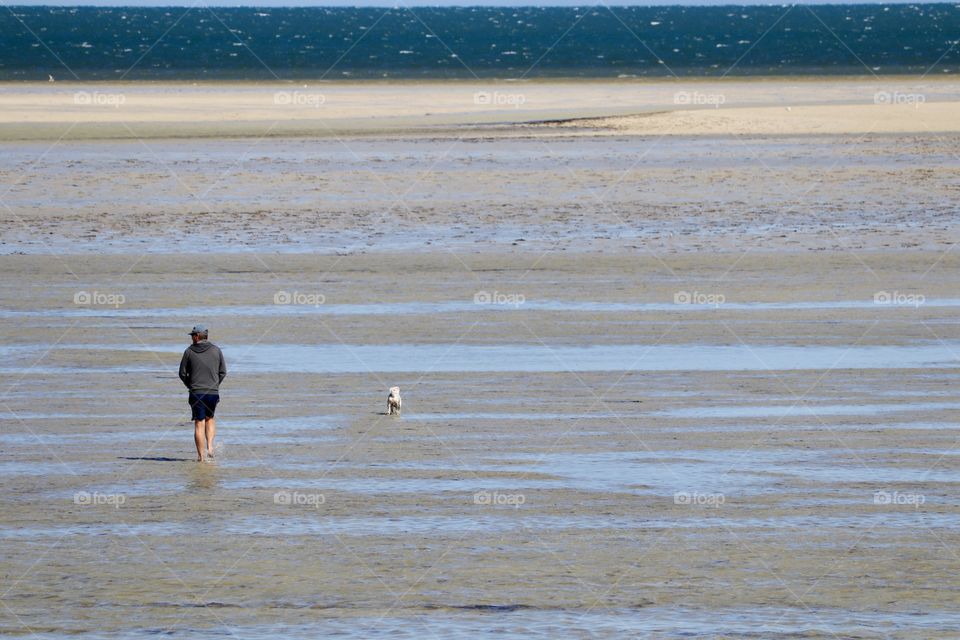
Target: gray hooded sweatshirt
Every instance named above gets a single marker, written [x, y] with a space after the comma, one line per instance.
[202, 368]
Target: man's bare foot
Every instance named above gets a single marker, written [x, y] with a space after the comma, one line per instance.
[200, 459]
[210, 454]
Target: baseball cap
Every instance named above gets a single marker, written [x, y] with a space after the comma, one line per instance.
[198, 328]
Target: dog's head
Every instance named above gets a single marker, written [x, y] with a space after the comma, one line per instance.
[394, 392]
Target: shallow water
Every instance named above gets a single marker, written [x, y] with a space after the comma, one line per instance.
[284, 424]
[803, 409]
[537, 358]
[509, 620]
[383, 486]
[176, 314]
[727, 471]
[431, 358]
[502, 522]
[506, 415]
[787, 426]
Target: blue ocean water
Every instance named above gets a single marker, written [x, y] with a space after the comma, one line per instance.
[204, 43]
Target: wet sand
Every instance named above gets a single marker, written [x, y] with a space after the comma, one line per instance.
[699, 383]
[472, 195]
[540, 503]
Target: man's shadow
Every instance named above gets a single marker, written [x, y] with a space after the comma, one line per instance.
[156, 459]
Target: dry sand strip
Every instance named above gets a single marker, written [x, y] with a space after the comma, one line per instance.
[926, 118]
[697, 107]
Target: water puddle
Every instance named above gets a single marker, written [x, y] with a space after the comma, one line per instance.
[510, 519]
[645, 471]
[423, 358]
[796, 428]
[730, 472]
[441, 417]
[14, 468]
[784, 411]
[246, 424]
[372, 485]
[426, 358]
[448, 306]
[463, 620]
[497, 521]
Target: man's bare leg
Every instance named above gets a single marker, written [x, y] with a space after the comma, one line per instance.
[198, 438]
[211, 431]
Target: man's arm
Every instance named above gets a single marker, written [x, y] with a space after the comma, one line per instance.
[185, 369]
[223, 367]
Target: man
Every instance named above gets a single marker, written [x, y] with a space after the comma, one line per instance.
[202, 369]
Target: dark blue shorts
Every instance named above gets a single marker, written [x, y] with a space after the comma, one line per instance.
[203, 405]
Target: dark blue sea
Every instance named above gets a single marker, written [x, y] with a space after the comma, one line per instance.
[210, 43]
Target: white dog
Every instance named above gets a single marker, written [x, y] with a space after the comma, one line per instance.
[393, 401]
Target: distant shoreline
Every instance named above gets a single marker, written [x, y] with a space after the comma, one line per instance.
[643, 80]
